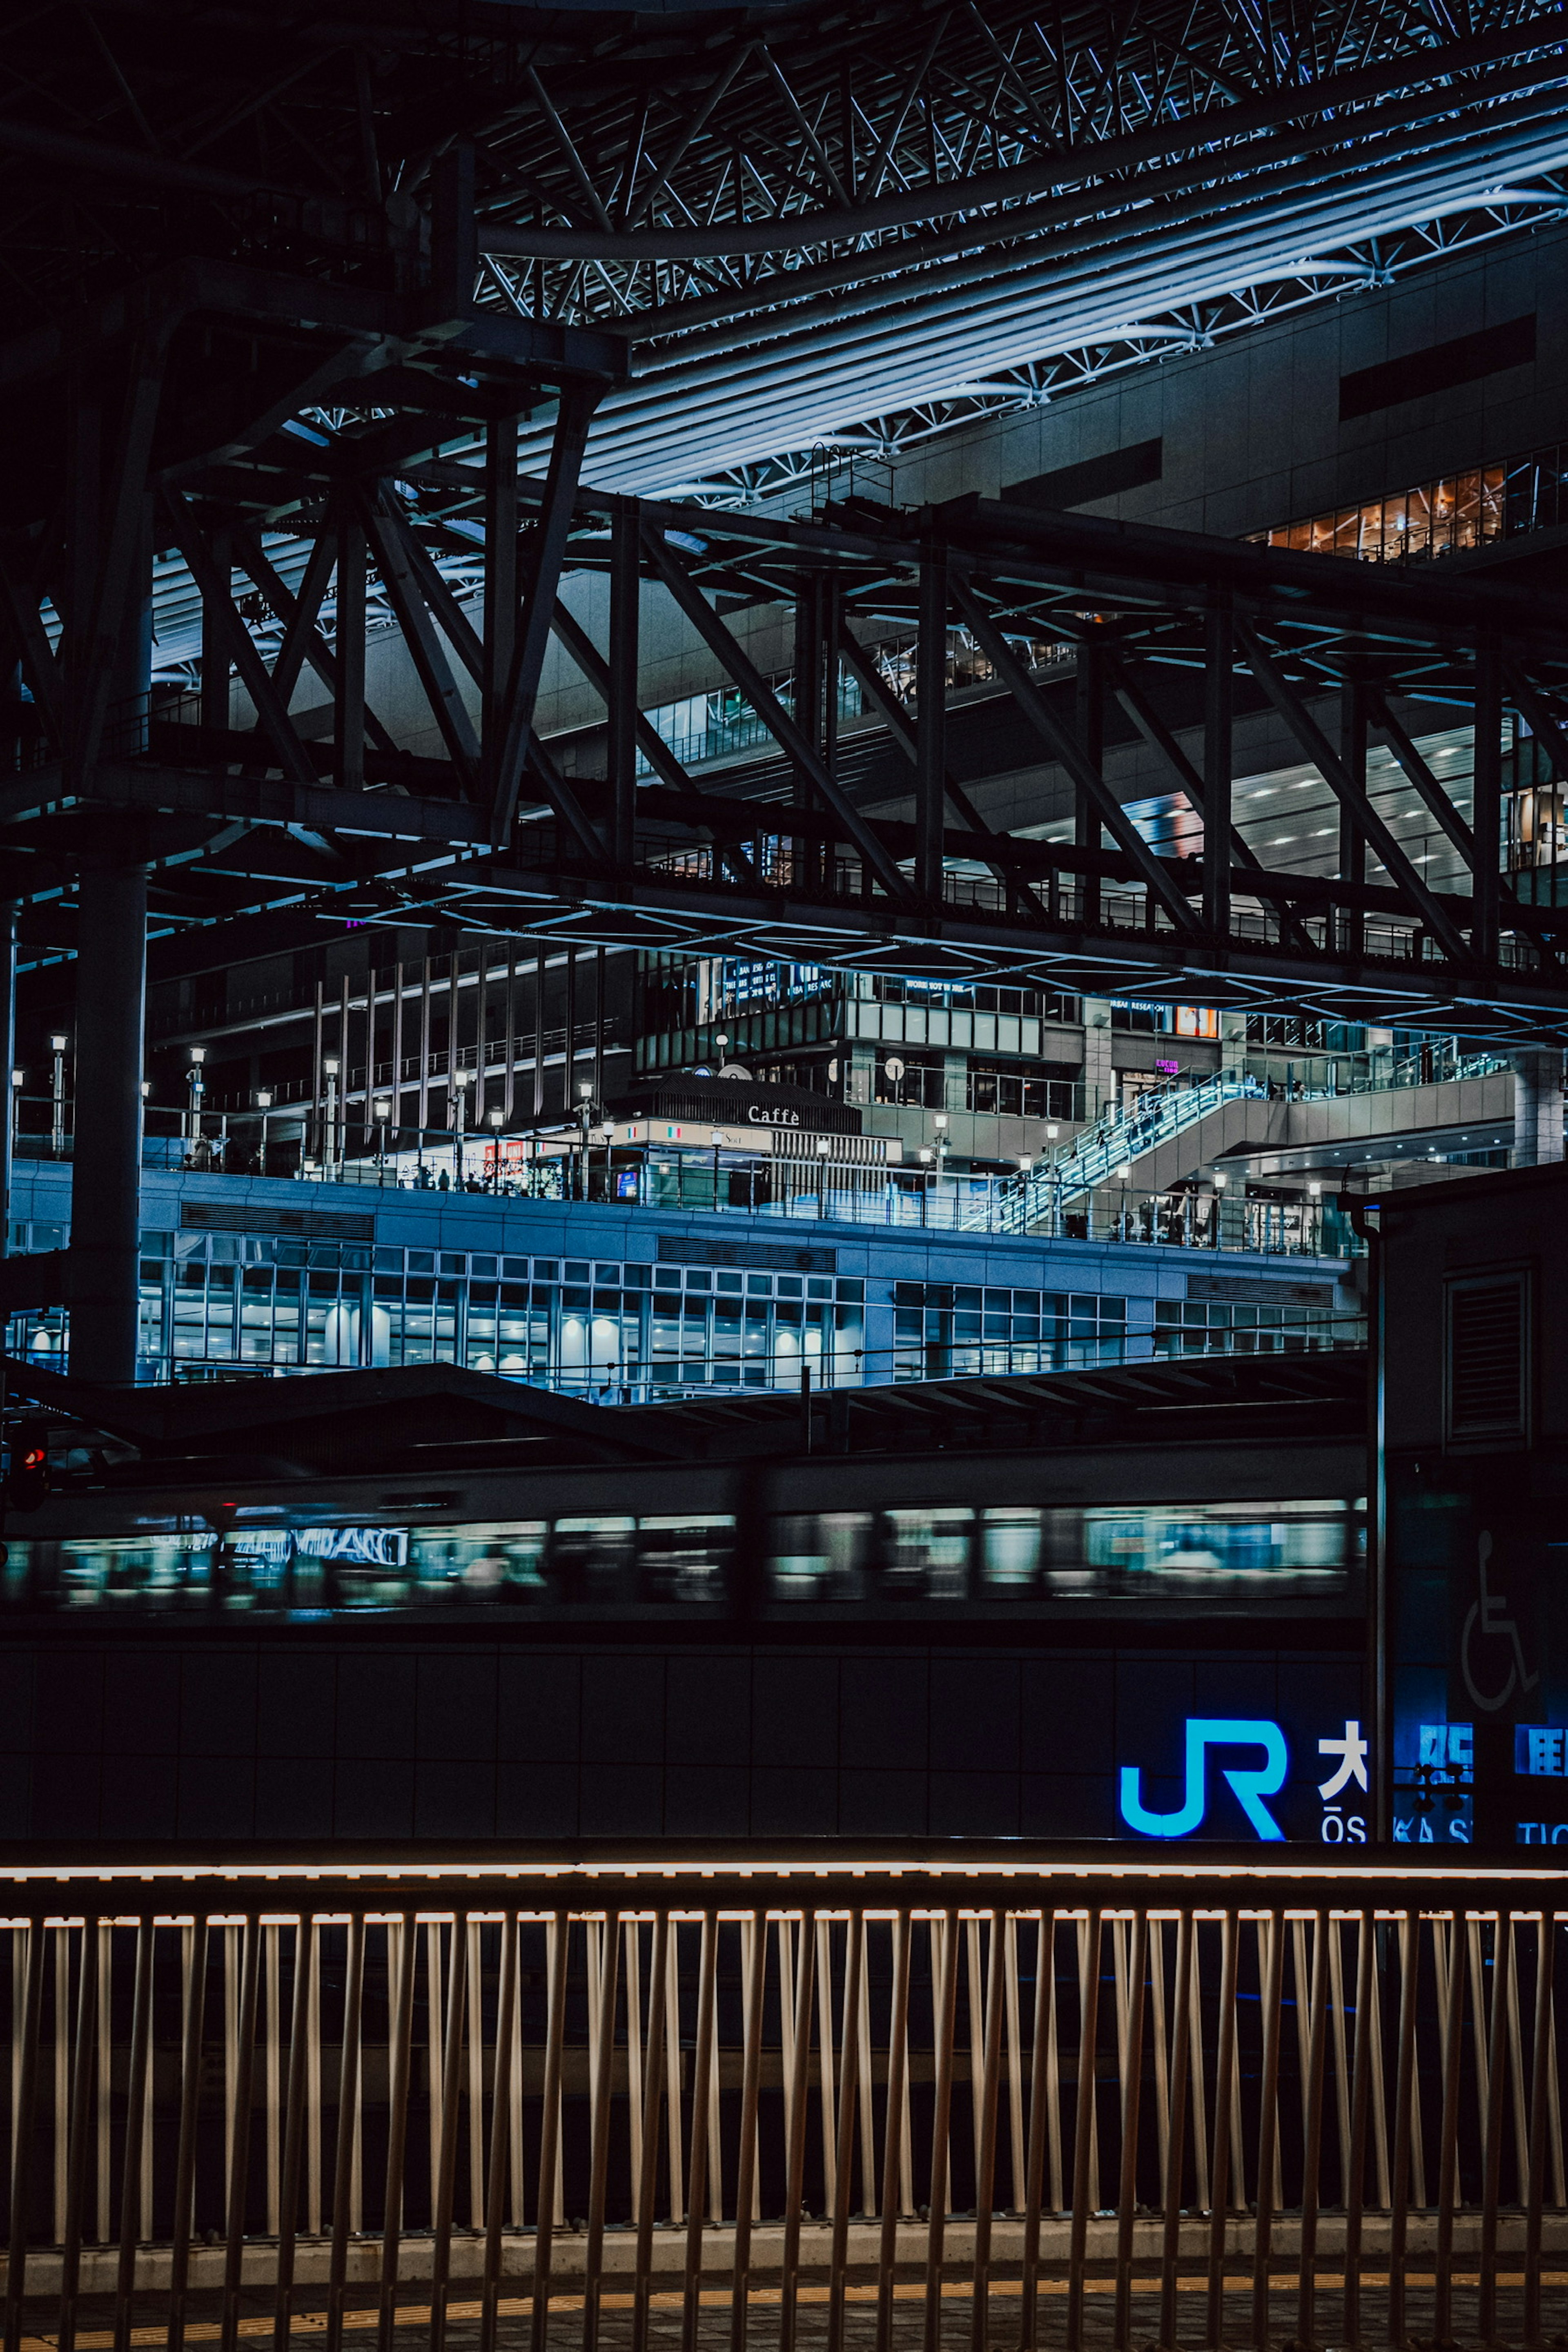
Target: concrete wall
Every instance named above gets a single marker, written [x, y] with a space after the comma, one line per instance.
[1251, 428]
[325, 1738]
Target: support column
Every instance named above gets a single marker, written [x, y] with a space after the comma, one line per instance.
[1219, 696]
[1098, 1073]
[1536, 1107]
[1352, 838]
[1089, 700]
[8, 915]
[931, 724]
[348, 714]
[1487, 814]
[625, 589]
[111, 977]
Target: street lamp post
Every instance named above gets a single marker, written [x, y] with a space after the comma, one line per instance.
[58, 1100]
[264, 1104]
[382, 1113]
[460, 1082]
[584, 1122]
[496, 1117]
[196, 1087]
[330, 1068]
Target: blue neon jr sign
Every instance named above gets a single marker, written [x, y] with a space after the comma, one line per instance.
[1251, 1783]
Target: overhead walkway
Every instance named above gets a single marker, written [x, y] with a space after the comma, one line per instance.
[1167, 1139]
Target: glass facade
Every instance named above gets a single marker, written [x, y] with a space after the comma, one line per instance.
[216, 1303]
[1457, 511]
[955, 1552]
[1196, 1327]
[947, 1330]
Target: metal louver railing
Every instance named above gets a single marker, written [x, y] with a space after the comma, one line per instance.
[1205, 2102]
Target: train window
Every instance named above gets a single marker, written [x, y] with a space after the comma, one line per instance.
[1010, 1550]
[926, 1556]
[685, 1559]
[504, 1561]
[1219, 1542]
[593, 1562]
[821, 1556]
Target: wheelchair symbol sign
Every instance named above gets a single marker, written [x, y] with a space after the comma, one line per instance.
[1490, 1629]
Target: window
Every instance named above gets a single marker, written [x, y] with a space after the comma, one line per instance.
[1523, 494]
[917, 1083]
[1046, 1090]
[1487, 1388]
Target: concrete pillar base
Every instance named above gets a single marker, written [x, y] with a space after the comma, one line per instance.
[1536, 1107]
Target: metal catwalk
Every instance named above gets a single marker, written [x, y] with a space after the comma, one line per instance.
[1202, 2101]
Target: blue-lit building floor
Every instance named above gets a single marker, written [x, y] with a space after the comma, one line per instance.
[242, 1276]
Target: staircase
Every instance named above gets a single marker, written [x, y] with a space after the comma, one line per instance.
[1116, 1140]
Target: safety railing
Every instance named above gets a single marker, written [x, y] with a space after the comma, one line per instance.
[1117, 1139]
[1222, 2100]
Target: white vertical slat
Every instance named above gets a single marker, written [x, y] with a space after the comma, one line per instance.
[436, 2009]
[1197, 2099]
[1012, 2023]
[313, 2084]
[1158, 2028]
[976, 1984]
[62, 1937]
[230, 2049]
[518, 2184]
[1045, 1990]
[868, 2178]
[273, 2073]
[826, 2044]
[675, 2140]
[632, 1963]
[145, 2215]
[475, 2077]
[105, 2077]
[1341, 2044]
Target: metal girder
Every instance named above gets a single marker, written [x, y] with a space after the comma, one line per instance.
[905, 733]
[272, 707]
[1332, 767]
[1083, 770]
[515, 727]
[721, 641]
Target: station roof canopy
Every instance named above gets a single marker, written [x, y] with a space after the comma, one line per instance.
[437, 1417]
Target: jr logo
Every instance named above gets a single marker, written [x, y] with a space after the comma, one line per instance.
[1251, 1785]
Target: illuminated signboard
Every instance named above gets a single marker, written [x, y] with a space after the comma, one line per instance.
[1250, 1758]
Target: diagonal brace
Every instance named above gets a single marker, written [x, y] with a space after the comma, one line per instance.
[721, 641]
[1070, 751]
[40, 663]
[302, 640]
[1434, 799]
[901, 727]
[580, 648]
[254, 675]
[1327, 760]
[514, 721]
[435, 671]
[1160, 740]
